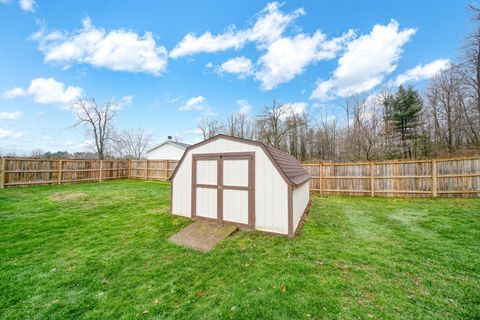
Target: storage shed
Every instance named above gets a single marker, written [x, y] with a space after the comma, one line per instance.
[245, 182]
[167, 150]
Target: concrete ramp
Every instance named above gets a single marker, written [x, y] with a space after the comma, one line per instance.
[203, 235]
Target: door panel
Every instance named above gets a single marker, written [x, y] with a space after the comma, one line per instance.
[223, 187]
[206, 203]
[235, 206]
[235, 190]
[207, 172]
[235, 172]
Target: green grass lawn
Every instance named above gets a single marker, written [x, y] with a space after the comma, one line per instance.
[100, 251]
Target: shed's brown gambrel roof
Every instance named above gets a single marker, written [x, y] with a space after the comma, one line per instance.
[288, 166]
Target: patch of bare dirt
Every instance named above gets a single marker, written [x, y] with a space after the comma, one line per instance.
[66, 196]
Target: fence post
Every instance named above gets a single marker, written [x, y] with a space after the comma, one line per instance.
[395, 173]
[166, 171]
[372, 180]
[2, 173]
[101, 171]
[321, 175]
[434, 178]
[146, 169]
[59, 174]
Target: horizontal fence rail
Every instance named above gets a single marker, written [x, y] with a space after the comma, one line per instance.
[410, 178]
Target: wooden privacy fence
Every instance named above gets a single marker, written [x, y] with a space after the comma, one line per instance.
[419, 178]
[152, 169]
[30, 171]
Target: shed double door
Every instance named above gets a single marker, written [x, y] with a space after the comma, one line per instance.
[223, 187]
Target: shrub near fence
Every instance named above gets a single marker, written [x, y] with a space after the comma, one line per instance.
[419, 178]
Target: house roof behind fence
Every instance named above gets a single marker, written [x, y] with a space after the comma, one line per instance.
[176, 143]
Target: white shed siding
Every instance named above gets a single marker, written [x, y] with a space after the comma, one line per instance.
[182, 190]
[235, 206]
[271, 191]
[166, 151]
[207, 203]
[207, 172]
[235, 172]
[300, 200]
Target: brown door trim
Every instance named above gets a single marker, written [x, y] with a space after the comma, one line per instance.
[208, 186]
[220, 189]
[194, 189]
[236, 188]
[251, 192]
[219, 157]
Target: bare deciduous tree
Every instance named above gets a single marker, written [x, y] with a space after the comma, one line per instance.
[131, 144]
[210, 127]
[97, 120]
[272, 127]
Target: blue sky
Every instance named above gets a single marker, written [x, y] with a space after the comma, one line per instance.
[166, 64]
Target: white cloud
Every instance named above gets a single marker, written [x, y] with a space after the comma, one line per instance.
[13, 93]
[194, 103]
[4, 134]
[46, 91]
[10, 115]
[27, 5]
[209, 65]
[243, 106]
[118, 50]
[50, 91]
[365, 62]
[84, 145]
[118, 105]
[288, 57]
[421, 72]
[297, 108]
[127, 100]
[239, 65]
[269, 25]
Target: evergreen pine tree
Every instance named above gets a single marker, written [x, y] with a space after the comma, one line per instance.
[402, 112]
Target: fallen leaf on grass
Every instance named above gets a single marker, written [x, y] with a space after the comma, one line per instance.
[145, 312]
[200, 293]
